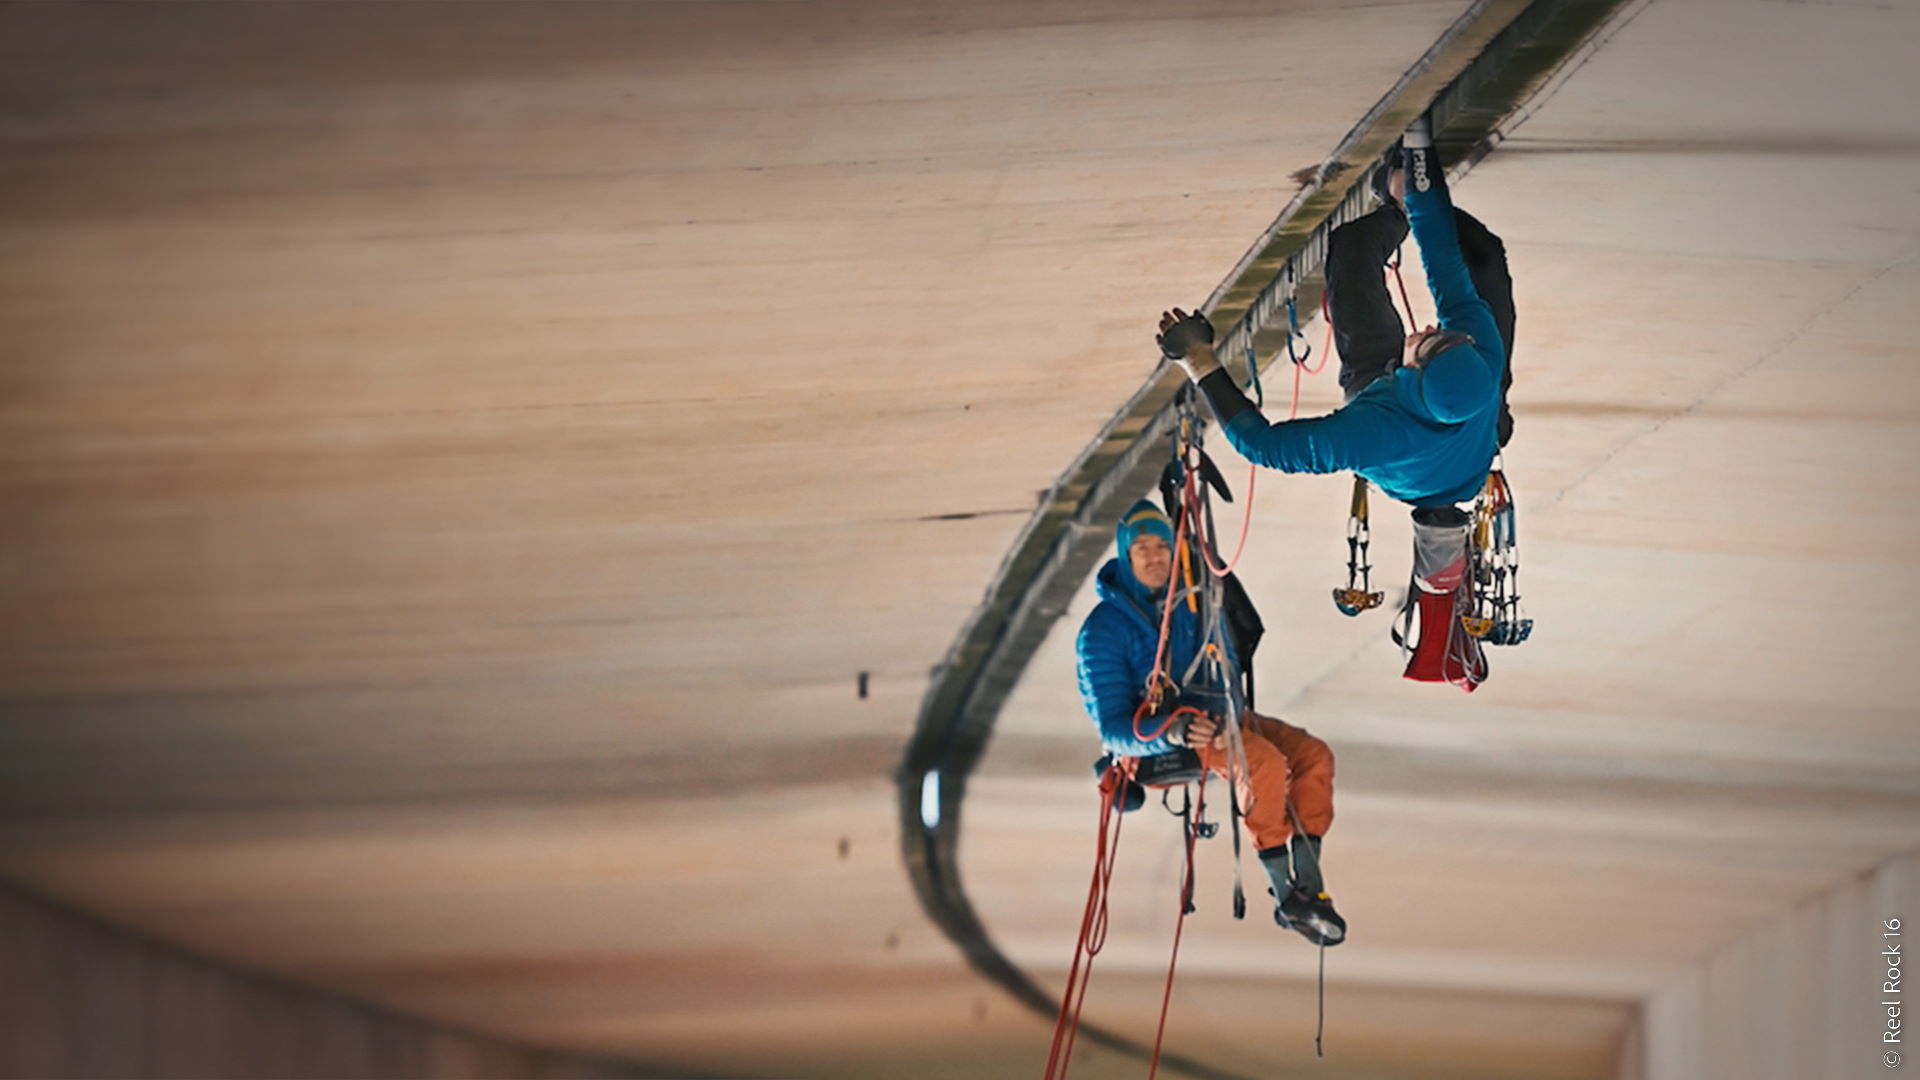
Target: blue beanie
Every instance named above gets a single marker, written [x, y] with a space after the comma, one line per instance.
[1144, 516]
[1455, 385]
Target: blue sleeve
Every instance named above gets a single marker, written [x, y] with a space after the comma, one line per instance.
[1111, 682]
[1430, 216]
[1346, 439]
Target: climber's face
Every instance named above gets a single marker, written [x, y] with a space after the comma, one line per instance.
[1152, 560]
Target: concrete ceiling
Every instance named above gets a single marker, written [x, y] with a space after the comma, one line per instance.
[458, 468]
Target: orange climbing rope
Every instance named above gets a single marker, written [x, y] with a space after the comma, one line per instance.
[1093, 922]
[1246, 526]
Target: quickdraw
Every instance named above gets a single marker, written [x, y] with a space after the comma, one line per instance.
[1358, 595]
[1300, 356]
[1497, 616]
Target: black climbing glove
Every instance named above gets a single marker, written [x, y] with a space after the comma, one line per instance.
[1180, 331]
[1183, 727]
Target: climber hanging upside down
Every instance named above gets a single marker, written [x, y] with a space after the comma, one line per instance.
[1118, 646]
[1422, 425]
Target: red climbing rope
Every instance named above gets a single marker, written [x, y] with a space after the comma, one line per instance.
[1299, 363]
[1140, 714]
[1166, 614]
[1246, 527]
[1401, 282]
[1186, 899]
[1314, 369]
[1093, 923]
[1190, 511]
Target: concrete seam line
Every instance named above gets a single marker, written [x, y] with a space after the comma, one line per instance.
[1491, 61]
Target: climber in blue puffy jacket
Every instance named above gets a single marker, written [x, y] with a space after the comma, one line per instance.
[1425, 433]
[1118, 641]
[1116, 649]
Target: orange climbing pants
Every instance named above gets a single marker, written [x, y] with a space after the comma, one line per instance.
[1281, 759]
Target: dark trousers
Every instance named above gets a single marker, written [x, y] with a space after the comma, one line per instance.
[1366, 323]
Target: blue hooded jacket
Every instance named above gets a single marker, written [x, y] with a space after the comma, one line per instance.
[1116, 647]
[1425, 436]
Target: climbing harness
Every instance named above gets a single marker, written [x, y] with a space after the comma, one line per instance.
[1358, 596]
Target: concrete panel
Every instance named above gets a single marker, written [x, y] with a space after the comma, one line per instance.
[458, 468]
[84, 1000]
[1804, 995]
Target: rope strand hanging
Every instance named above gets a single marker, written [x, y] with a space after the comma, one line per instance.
[1093, 924]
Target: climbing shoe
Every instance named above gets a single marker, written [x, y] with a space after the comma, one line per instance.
[1303, 903]
[1311, 915]
[1295, 865]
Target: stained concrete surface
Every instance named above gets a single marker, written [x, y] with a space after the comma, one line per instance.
[82, 1000]
[458, 466]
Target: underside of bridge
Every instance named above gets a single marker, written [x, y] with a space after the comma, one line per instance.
[506, 506]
